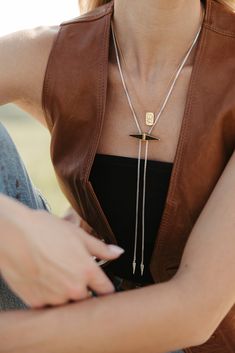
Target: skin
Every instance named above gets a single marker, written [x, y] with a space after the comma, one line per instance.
[175, 314]
[42, 277]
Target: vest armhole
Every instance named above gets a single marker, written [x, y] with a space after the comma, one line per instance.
[47, 84]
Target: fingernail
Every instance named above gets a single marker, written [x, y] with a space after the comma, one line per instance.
[116, 249]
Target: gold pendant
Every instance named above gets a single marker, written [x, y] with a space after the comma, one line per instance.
[145, 137]
[149, 118]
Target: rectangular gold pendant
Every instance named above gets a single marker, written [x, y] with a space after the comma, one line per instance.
[149, 118]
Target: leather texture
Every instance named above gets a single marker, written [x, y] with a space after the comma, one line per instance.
[74, 98]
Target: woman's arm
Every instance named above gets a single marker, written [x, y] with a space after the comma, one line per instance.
[23, 60]
[182, 312]
[149, 320]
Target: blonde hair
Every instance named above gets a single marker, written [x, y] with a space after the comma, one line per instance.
[87, 5]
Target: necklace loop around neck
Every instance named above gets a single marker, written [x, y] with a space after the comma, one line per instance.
[146, 137]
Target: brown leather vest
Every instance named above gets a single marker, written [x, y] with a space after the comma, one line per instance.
[74, 99]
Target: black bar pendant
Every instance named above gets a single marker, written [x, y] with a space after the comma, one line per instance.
[145, 137]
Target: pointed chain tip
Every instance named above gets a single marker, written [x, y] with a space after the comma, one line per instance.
[134, 267]
[142, 269]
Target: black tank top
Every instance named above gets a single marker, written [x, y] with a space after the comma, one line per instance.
[114, 181]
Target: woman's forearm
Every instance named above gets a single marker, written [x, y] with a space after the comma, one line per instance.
[154, 319]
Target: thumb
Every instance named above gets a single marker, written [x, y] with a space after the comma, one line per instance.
[100, 249]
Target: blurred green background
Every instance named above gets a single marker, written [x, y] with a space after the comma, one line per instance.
[33, 143]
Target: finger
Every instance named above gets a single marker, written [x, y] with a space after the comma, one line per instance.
[41, 296]
[78, 292]
[63, 288]
[32, 299]
[47, 298]
[101, 250]
[100, 283]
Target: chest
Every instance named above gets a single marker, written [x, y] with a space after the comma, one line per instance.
[119, 122]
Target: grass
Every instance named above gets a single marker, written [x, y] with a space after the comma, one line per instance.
[33, 143]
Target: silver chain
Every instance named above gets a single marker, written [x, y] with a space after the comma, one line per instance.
[146, 141]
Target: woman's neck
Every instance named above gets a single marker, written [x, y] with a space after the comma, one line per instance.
[155, 33]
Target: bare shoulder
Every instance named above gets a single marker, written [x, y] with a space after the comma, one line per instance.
[23, 61]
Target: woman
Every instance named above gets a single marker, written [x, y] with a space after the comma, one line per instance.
[178, 40]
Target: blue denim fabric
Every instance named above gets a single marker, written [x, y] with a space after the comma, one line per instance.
[15, 182]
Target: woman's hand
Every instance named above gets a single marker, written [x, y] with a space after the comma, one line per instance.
[49, 261]
[72, 216]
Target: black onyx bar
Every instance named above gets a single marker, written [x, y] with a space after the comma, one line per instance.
[145, 137]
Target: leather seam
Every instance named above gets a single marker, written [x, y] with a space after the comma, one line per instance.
[47, 81]
[208, 11]
[186, 128]
[101, 109]
[180, 151]
[220, 31]
[100, 93]
[210, 25]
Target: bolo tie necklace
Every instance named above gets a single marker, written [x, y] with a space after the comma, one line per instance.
[144, 137]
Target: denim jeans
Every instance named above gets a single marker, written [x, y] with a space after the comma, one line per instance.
[15, 182]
